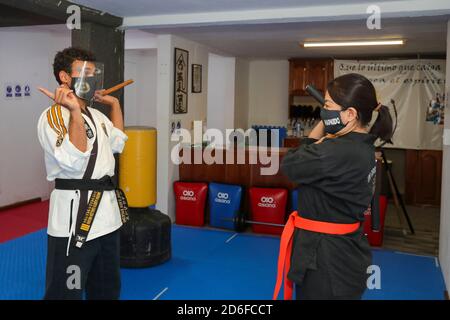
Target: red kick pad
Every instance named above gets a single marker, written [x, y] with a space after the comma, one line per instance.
[190, 199]
[268, 205]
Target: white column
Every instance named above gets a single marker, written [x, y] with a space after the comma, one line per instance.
[221, 88]
[163, 112]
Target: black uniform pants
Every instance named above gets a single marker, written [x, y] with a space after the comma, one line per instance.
[317, 284]
[94, 269]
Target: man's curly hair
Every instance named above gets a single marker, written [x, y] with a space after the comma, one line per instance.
[64, 59]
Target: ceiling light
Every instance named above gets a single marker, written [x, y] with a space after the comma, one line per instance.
[353, 43]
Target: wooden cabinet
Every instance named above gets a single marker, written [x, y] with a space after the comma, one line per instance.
[423, 177]
[297, 77]
[317, 72]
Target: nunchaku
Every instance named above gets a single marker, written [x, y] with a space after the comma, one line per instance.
[116, 87]
[102, 92]
[315, 94]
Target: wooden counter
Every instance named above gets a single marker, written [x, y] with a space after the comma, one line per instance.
[246, 175]
[291, 142]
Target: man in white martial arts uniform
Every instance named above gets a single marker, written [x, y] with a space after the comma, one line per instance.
[86, 208]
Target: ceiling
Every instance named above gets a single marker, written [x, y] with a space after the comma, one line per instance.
[277, 38]
[426, 35]
[11, 17]
[132, 8]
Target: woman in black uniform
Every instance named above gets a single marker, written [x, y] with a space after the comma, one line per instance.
[324, 250]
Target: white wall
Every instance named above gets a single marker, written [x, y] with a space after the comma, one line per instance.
[221, 88]
[140, 97]
[138, 39]
[444, 235]
[26, 56]
[241, 102]
[268, 92]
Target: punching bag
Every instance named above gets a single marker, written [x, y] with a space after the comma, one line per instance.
[137, 167]
[145, 240]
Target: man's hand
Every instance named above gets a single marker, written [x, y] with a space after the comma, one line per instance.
[64, 97]
[106, 100]
[114, 104]
[116, 112]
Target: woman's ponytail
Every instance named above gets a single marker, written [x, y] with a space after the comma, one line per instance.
[383, 128]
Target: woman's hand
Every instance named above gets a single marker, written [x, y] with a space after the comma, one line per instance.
[106, 100]
[318, 132]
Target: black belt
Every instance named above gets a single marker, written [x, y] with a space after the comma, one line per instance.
[103, 184]
[86, 215]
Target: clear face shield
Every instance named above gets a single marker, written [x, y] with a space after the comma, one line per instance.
[87, 78]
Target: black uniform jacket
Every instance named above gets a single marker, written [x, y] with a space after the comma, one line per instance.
[335, 184]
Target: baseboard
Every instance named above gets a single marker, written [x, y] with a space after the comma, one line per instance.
[18, 204]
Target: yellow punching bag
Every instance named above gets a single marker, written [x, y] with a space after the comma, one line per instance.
[137, 165]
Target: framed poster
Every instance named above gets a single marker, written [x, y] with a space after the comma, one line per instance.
[181, 68]
[196, 78]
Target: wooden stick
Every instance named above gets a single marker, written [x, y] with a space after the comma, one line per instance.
[116, 87]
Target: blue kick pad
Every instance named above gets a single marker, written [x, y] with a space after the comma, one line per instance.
[212, 264]
[224, 203]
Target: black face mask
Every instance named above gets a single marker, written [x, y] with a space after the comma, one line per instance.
[84, 88]
[332, 120]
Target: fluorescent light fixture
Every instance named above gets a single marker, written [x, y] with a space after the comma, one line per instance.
[353, 43]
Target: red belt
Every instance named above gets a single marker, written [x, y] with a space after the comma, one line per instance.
[284, 258]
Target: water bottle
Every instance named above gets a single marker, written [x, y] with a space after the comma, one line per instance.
[299, 129]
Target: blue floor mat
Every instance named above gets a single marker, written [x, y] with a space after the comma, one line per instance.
[408, 277]
[211, 264]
